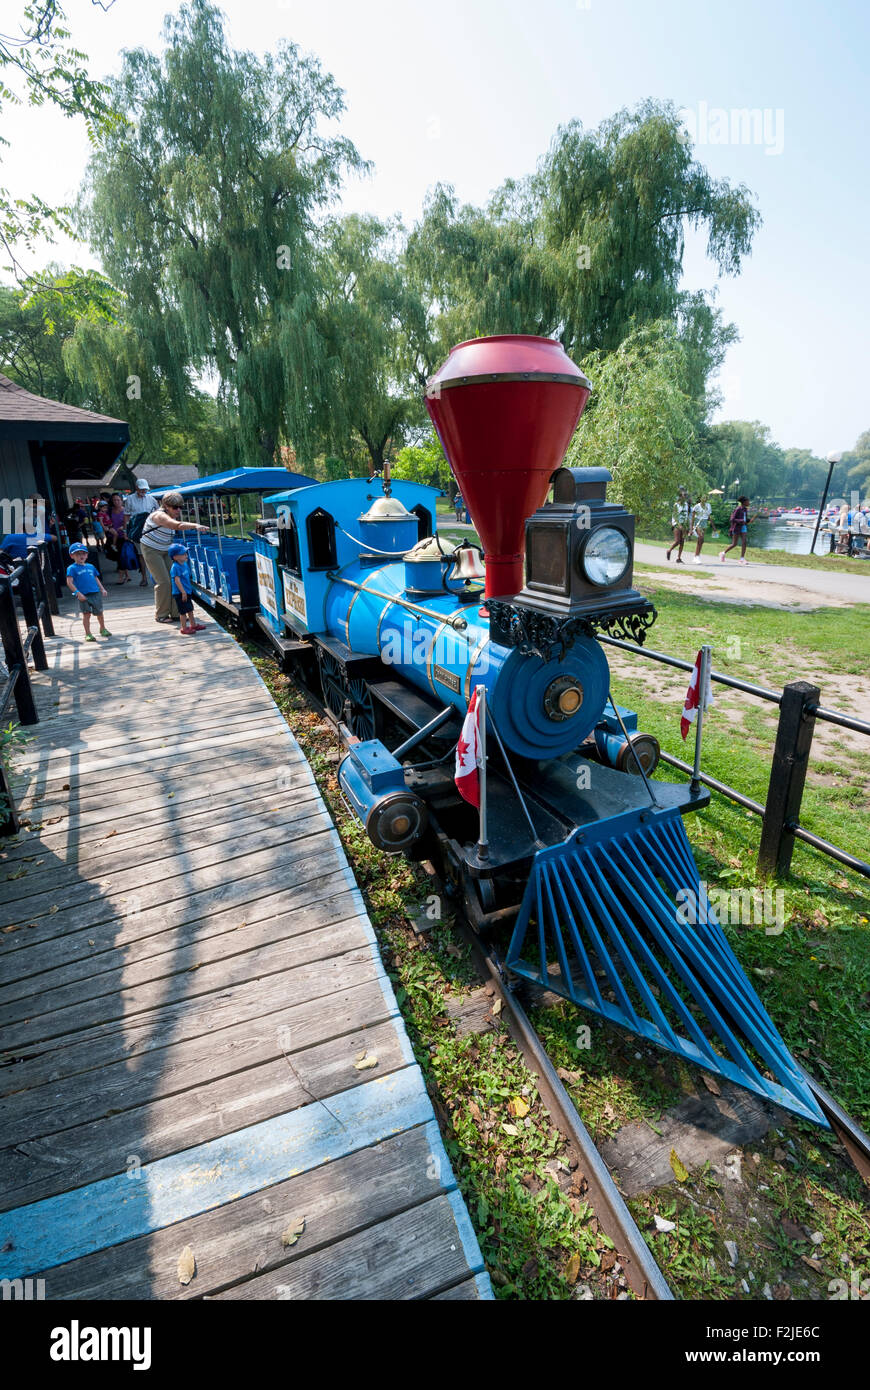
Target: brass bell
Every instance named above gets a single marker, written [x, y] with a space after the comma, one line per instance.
[467, 564]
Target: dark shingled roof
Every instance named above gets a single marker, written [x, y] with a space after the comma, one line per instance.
[25, 416]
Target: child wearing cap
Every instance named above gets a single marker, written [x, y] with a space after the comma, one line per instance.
[182, 590]
[84, 584]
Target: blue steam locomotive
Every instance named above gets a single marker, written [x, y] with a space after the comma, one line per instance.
[585, 863]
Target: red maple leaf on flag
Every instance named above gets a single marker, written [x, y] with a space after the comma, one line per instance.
[462, 749]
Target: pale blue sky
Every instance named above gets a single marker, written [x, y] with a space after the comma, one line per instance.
[471, 92]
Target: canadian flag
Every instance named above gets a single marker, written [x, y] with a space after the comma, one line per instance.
[693, 697]
[468, 754]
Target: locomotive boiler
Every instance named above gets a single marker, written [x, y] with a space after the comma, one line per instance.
[586, 867]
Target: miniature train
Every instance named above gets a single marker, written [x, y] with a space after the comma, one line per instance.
[586, 863]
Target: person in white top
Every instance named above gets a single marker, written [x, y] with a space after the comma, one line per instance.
[699, 520]
[141, 504]
[680, 523]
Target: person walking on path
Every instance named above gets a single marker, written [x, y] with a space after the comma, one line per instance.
[738, 528]
[158, 534]
[84, 584]
[138, 507]
[699, 520]
[680, 523]
[182, 590]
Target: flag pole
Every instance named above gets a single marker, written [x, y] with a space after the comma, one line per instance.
[482, 843]
[703, 680]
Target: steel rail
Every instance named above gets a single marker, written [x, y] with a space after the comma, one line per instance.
[614, 1217]
[850, 1134]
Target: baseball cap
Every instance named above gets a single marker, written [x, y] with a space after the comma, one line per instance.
[77, 547]
[142, 483]
[177, 549]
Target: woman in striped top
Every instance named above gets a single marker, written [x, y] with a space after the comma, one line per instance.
[158, 534]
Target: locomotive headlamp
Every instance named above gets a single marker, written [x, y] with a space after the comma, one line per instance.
[563, 698]
[606, 556]
[579, 560]
[396, 822]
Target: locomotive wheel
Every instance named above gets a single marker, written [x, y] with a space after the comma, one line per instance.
[362, 709]
[334, 684]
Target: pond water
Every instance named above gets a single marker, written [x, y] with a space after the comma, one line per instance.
[775, 535]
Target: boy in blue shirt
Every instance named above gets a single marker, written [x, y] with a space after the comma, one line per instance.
[182, 590]
[84, 584]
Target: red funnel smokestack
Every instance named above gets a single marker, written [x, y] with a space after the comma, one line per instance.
[505, 409]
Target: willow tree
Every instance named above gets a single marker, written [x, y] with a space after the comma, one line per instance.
[371, 315]
[204, 208]
[642, 421]
[587, 248]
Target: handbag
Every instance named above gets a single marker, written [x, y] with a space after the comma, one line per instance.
[135, 525]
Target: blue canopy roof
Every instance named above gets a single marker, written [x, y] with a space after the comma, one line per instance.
[241, 480]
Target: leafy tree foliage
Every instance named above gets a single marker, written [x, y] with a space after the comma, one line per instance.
[203, 207]
[425, 463]
[52, 71]
[367, 309]
[857, 463]
[641, 421]
[587, 248]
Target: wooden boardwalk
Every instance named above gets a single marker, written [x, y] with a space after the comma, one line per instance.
[200, 1048]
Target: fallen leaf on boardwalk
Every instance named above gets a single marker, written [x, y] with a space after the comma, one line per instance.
[496, 1008]
[360, 1055]
[365, 1063]
[510, 1129]
[710, 1084]
[681, 1173]
[54, 909]
[519, 1107]
[293, 1232]
[186, 1265]
[111, 833]
[572, 1269]
[15, 927]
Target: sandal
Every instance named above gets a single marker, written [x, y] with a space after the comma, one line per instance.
[89, 637]
[167, 619]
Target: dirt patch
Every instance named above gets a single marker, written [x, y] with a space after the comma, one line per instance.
[719, 589]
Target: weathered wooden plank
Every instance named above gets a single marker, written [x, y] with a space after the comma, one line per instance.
[145, 828]
[252, 899]
[310, 985]
[119, 1005]
[62, 746]
[313, 849]
[243, 1238]
[269, 746]
[34, 1170]
[174, 948]
[178, 1064]
[177, 841]
[466, 1292]
[74, 769]
[76, 1223]
[413, 1255]
[103, 811]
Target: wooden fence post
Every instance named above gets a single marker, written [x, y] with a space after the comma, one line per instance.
[34, 563]
[788, 771]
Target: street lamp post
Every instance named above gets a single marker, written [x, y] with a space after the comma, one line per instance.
[833, 460]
